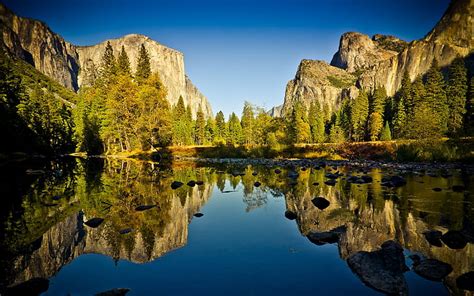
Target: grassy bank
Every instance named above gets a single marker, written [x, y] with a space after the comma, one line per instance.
[442, 150]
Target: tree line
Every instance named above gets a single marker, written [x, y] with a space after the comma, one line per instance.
[434, 105]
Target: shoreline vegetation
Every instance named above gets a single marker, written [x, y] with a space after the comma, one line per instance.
[442, 151]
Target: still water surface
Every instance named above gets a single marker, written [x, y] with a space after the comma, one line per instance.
[242, 245]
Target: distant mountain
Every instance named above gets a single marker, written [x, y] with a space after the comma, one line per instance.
[366, 63]
[68, 64]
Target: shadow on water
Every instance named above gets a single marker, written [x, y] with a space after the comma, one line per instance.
[46, 205]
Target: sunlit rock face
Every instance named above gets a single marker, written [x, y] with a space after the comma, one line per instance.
[316, 81]
[382, 60]
[69, 64]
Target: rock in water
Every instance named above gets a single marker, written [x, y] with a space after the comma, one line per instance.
[114, 292]
[277, 171]
[322, 238]
[35, 286]
[433, 237]
[176, 184]
[466, 281]
[191, 183]
[458, 188]
[454, 239]
[254, 173]
[437, 189]
[433, 269]
[94, 222]
[198, 215]
[199, 183]
[383, 269]
[320, 202]
[144, 207]
[125, 230]
[257, 184]
[290, 215]
[331, 182]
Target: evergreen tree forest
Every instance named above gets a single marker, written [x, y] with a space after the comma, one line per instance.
[124, 111]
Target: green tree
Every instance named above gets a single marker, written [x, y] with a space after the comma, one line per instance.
[247, 123]
[123, 63]
[375, 125]
[436, 98]
[143, 65]
[235, 130]
[109, 66]
[400, 119]
[336, 134]
[316, 122]
[378, 100]
[456, 92]
[221, 130]
[359, 114]
[200, 127]
[262, 126]
[299, 130]
[386, 134]
[210, 133]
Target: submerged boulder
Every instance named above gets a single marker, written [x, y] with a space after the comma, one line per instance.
[94, 222]
[114, 292]
[198, 215]
[466, 281]
[432, 269]
[320, 202]
[383, 269]
[454, 239]
[257, 184]
[322, 238]
[176, 184]
[144, 208]
[290, 215]
[191, 183]
[433, 237]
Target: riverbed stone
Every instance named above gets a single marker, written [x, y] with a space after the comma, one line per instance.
[454, 239]
[176, 184]
[432, 269]
[320, 202]
[383, 269]
[433, 237]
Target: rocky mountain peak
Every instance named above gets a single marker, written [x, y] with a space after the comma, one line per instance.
[456, 27]
[70, 65]
[358, 51]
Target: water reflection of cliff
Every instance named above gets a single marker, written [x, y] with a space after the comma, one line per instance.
[372, 214]
[48, 230]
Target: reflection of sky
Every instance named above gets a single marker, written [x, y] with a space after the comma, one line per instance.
[237, 50]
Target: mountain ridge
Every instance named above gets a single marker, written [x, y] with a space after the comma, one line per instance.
[66, 63]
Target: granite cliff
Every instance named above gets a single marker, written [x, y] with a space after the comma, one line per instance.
[68, 64]
[382, 60]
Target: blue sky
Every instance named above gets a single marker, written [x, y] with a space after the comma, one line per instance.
[237, 50]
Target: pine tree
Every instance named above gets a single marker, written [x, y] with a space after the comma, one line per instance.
[386, 134]
[456, 92]
[221, 133]
[247, 123]
[108, 67]
[378, 100]
[436, 97]
[375, 125]
[200, 127]
[235, 130]
[359, 114]
[316, 123]
[405, 95]
[143, 65]
[400, 119]
[298, 126]
[336, 134]
[123, 63]
[180, 126]
[210, 133]
[262, 127]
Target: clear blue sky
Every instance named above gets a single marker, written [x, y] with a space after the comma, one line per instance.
[237, 50]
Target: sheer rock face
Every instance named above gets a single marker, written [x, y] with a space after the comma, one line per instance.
[318, 81]
[34, 42]
[358, 52]
[382, 60]
[68, 64]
